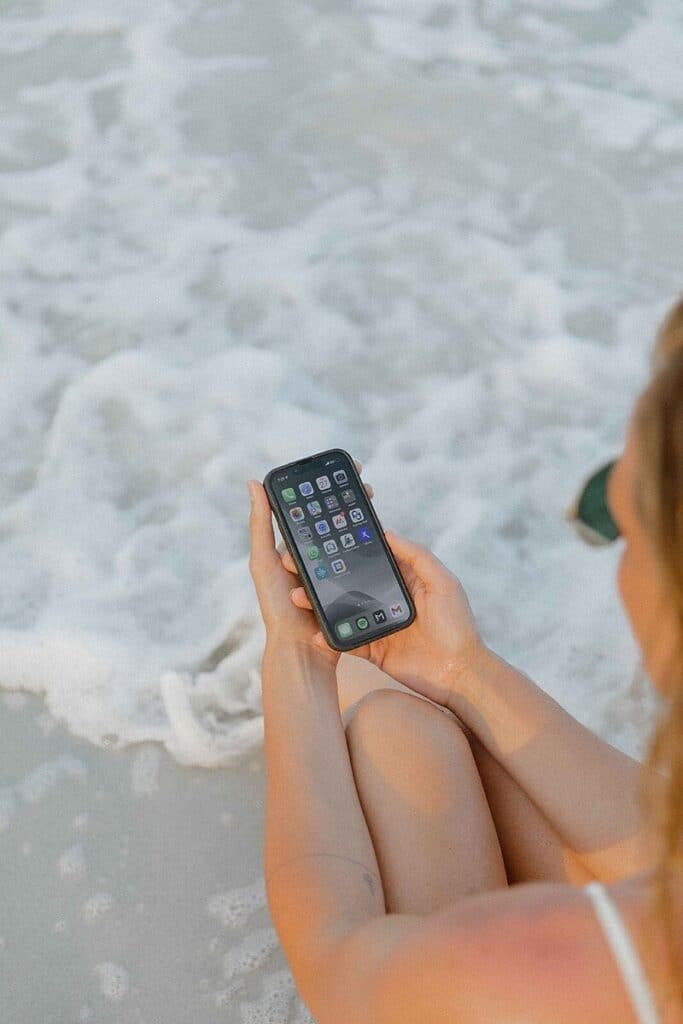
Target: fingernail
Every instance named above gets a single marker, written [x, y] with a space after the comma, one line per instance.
[250, 488]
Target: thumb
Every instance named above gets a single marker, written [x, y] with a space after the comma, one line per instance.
[417, 556]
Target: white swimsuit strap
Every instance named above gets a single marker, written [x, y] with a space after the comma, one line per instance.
[624, 953]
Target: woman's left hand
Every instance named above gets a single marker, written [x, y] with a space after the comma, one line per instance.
[285, 622]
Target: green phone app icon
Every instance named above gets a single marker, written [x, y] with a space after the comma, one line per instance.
[289, 494]
[313, 551]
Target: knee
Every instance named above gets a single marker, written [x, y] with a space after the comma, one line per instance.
[393, 723]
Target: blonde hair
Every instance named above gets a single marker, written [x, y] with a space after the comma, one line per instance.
[659, 427]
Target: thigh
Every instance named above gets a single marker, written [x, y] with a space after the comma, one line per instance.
[531, 848]
[423, 801]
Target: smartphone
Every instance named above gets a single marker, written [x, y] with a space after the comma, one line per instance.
[337, 542]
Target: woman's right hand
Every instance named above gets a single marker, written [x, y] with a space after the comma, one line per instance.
[443, 640]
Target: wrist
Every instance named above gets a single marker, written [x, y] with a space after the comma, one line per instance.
[284, 654]
[464, 674]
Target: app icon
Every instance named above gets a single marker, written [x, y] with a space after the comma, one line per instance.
[363, 534]
[289, 494]
[304, 532]
[306, 488]
[339, 520]
[379, 616]
[344, 629]
[314, 508]
[396, 610]
[348, 495]
[322, 527]
[362, 622]
[340, 476]
[313, 551]
[331, 502]
[338, 565]
[297, 513]
[323, 483]
[321, 572]
[347, 540]
[356, 515]
[330, 546]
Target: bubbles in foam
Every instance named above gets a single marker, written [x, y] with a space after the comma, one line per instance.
[71, 864]
[97, 906]
[274, 1005]
[235, 907]
[226, 996]
[303, 1016]
[251, 953]
[114, 981]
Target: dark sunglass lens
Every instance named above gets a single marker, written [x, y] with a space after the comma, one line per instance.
[592, 508]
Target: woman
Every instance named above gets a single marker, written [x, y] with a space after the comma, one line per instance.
[397, 836]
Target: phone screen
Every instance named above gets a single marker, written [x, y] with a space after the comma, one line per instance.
[341, 546]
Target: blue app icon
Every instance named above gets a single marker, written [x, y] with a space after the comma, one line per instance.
[306, 488]
[321, 572]
[364, 535]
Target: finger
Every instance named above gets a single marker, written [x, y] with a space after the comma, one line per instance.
[300, 598]
[263, 552]
[370, 490]
[320, 641]
[417, 556]
[358, 465]
[289, 563]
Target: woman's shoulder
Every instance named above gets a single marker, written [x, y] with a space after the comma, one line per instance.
[534, 952]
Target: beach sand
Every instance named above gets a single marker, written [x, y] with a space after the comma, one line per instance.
[133, 886]
[116, 866]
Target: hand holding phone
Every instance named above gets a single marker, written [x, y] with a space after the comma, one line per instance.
[442, 643]
[443, 640]
[337, 543]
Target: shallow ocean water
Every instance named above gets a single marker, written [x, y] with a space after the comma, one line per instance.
[439, 235]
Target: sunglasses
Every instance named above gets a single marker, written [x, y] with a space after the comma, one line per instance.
[589, 514]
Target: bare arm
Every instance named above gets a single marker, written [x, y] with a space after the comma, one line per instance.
[587, 789]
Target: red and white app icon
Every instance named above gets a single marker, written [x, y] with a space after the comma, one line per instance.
[297, 513]
[396, 610]
[339, 520]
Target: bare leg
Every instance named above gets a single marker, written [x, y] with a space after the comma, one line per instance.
[423, 801]
[531, 848]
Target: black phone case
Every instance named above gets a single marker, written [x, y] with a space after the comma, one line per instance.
[288, 538]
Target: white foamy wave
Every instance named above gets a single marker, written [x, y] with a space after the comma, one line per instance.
[440, 236]
[235, 907]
